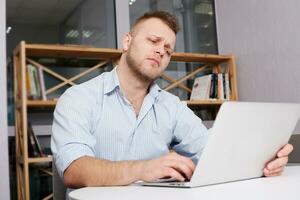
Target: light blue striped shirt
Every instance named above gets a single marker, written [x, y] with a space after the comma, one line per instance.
[95, 119]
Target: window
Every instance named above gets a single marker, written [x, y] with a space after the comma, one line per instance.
[196, 18]
[197, 34]
[89, 22]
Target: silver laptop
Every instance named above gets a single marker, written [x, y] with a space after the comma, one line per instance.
[244, 137]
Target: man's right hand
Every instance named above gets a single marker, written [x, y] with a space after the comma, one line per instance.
[89, 171]
[171, 165]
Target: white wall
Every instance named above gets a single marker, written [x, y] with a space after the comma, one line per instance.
[264, 37]
[4, 180]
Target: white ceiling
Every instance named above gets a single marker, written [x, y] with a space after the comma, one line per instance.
[51, 12]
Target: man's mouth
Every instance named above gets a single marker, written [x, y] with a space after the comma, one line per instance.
[154, 60]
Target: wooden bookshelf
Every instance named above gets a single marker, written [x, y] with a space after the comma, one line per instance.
[27, 53]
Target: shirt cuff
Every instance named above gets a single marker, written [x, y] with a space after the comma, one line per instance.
[69, 153]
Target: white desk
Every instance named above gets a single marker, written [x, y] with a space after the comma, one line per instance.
[286, 186]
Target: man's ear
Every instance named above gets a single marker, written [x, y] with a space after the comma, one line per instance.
[126, 42]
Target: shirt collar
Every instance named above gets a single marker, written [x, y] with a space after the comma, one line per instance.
[154, 90]
[113, 82]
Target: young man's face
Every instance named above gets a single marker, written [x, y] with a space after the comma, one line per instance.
[149, 48]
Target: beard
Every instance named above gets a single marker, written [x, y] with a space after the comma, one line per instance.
[136, 68]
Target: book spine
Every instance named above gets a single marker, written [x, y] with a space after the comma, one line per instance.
[35, 142]
[207, 95]
[28, 83]
[37, 83]
[32, 148]
[220, 87]
[227, 85]
[224, 85]
[31, 80]
[42, 83]
[215, 96]
[212, 87]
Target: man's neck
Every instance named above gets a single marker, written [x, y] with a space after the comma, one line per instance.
[133, 88]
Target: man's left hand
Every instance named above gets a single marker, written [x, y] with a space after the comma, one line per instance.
[276, 166]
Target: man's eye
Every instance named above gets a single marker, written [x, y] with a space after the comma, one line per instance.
[152, 40]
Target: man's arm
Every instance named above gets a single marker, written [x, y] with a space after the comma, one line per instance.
[89, 171]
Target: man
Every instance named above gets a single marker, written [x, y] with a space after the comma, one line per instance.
[120, 127]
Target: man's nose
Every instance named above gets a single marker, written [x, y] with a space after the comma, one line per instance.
[160, 50]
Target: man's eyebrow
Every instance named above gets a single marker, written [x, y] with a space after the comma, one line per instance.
[169, 48]
[168, 45]
[156, 36]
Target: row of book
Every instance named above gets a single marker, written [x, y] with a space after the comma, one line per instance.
[34, 146]
[211, 86]
[35, 83]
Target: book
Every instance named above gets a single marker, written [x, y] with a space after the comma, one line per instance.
[28, 83]
[227, 87]
[42, 83]
[224, 85]
[216, 94]
[35, 83]
[214, 87]
[201, 88]
[32, 90]
[220, 87]
[34, 147]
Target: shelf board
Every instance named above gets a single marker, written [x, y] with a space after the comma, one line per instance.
[113, 54]
[71, 51]
[197, 57]
[41, 103]
[40, 159]
[203, 102]
[50, 103]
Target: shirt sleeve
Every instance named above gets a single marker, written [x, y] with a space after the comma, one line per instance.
[71, 135]
[190, 134]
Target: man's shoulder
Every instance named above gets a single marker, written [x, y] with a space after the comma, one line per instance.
[171, 105]
[89, 90]
[168, 97]
[169, 100]
[93, 83]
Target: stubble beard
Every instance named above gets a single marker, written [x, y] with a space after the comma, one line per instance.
[137, 70]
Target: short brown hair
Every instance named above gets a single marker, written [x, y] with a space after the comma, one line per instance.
[164, 16]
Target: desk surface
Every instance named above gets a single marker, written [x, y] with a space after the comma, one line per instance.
[282, 187]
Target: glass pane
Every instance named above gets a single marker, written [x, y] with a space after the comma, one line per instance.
[202, 37]
[92, 23]
[196, 19]
[88, 22]
[197, 34]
